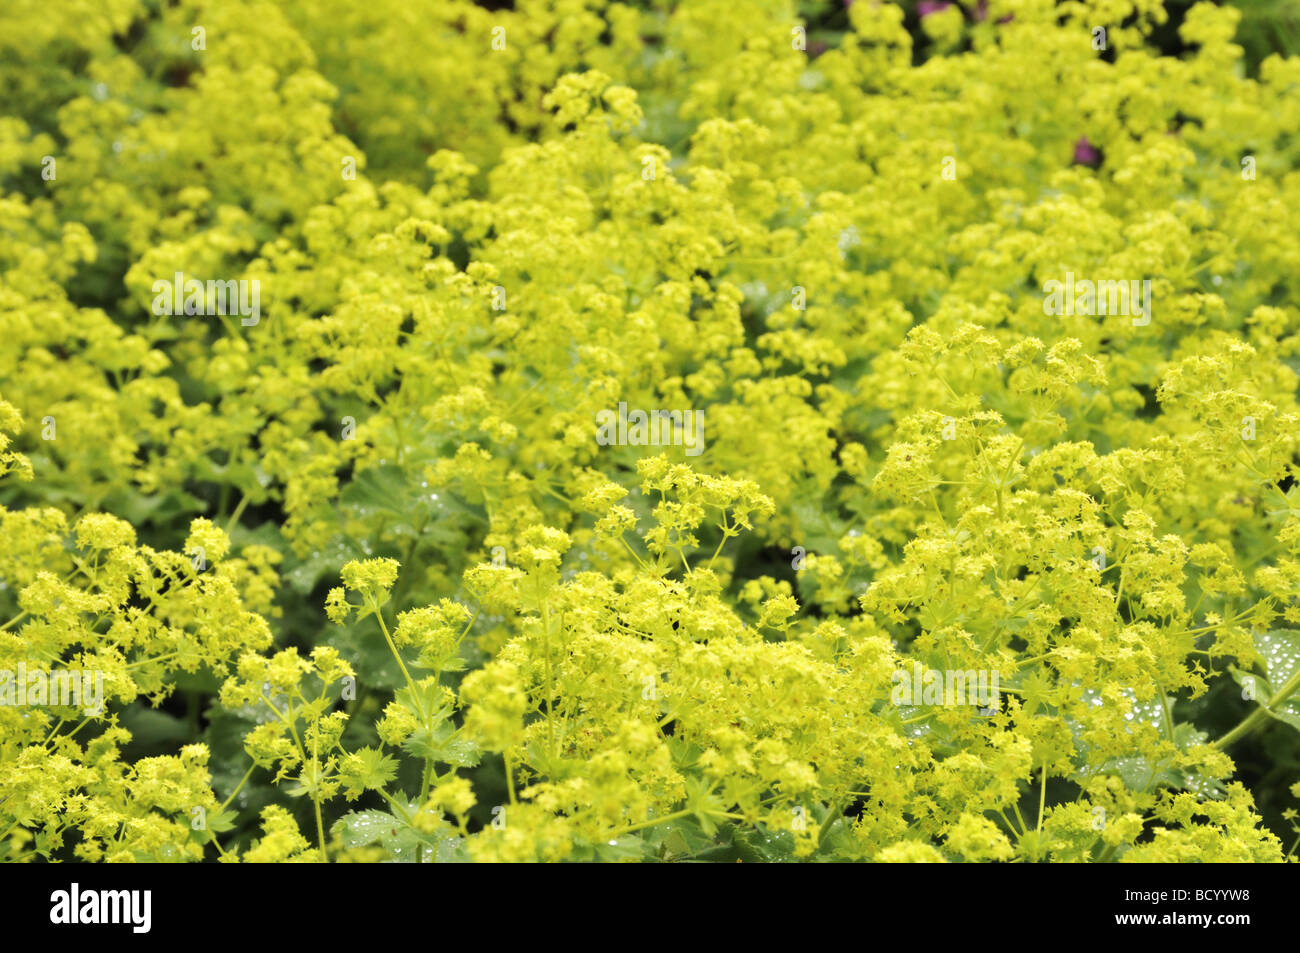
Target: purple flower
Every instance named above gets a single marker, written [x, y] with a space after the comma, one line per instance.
[982, 12]
[926, 7]
[1085, 153]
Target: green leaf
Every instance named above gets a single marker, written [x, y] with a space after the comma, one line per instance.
[704, 803]
[406, 508]
[1280, 652]
[360, 828]
[757, 846]
[820, 532]
[450, 850]
[221, 821]
[678, 838]
[326, 562]
[150, 726]
[444, 744]
[629, 847]
[366, 769]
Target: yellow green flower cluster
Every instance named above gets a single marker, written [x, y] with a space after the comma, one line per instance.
[360, 580]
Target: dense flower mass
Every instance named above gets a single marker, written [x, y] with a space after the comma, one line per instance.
[614, 431]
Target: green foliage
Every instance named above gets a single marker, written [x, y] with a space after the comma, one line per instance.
[363, 584]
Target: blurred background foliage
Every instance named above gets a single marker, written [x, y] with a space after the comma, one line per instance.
[386, 83]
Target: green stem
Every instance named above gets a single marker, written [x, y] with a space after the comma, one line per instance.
[726, 535]
[427, 774]
[1023, 826]
[315, 795]
[320, 830]
[510, 777]
[1253, 720]
[550, 684]
[247, 774]
[676, 815]
[234, 517]
[833, 815]
[1169, 715]
[1035, 658]
[289, 721]
[1042, 807]
[15, 620]
[392, 647]
[396, 805]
